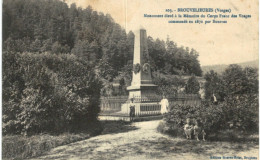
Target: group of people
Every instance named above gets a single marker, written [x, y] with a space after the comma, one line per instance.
[164, 107]
[189, 129]
[196, 130]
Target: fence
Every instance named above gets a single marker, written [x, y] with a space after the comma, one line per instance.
[112, 104]
[184, 99]
[145, 105]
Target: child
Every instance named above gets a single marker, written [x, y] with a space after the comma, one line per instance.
[198, 130]
[188, 129]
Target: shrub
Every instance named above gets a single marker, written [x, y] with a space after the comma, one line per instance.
[192, 86]
[21, 147]
[236, 114]
[48, 93]
[241, 112]
[234, 81]
[214, 85]
[167, 84]
[208, 115]
[170, 128]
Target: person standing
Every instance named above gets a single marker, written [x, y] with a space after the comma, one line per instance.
[164, 105]
[132, 109]
[214, 99]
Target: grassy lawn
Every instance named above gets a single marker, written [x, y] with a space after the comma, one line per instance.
[146, 143]
[178, 147]
[21, 147]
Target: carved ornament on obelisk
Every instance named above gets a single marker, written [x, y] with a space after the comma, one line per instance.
[142, 84]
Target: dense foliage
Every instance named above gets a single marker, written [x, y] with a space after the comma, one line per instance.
[214, 84]
[59, 59]
[236, 90]
[52, 26]
[46, 92]
[166, 57]
[235, 80]
[238, 114]
[192, 86]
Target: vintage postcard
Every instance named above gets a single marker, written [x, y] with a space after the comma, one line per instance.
[130, 79]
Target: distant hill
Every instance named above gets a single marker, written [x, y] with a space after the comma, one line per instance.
[221, 67]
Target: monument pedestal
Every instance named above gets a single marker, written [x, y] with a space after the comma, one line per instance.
[142, 89]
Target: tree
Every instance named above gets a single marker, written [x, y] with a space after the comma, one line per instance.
[214, 85]
[48, 92]
[251, 75]
[235, 80]
[52, 26]
[167, 84]
[192, 86]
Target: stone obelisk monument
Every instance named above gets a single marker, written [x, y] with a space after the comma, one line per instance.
[142, 85]
[142, 89]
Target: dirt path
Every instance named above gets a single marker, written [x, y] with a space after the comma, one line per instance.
[147, 143]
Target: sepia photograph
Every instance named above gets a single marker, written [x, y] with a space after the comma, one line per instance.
[130, 80]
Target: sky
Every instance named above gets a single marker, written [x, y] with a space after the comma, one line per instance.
[233, 42]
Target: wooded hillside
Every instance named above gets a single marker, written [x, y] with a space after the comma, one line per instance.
[59, 59]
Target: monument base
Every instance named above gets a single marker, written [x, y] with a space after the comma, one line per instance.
[142, 108]
[144, 91]
[145, 100]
